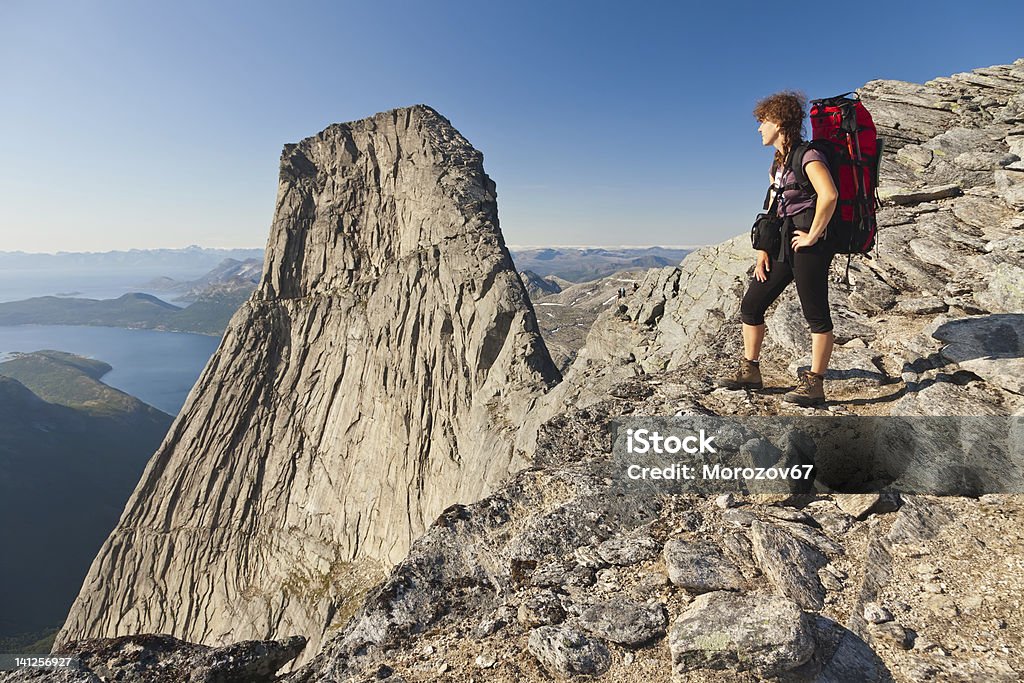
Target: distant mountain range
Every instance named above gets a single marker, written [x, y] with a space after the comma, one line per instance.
[206, 315]
[71, 450]
[585, 264]
[212, 300]
[189, 259]
[228, 277]
[215, 296]
[576, 264]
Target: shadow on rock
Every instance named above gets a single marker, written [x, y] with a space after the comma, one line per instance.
[841, 656]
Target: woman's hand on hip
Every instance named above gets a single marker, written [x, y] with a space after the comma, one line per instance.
[802, 239]
[763, 265]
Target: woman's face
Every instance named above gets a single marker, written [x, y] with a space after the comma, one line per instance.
[770, 132]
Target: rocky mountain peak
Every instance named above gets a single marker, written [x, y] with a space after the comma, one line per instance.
[389, 189]
[380, 372]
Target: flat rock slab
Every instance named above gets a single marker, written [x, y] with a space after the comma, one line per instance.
[980, 212]
[1005, 293]
[700, 567]
[564, 651]
[624, 621]
[922, 305]
[767, 635]
[852, 366]
[904, 196]
[990, 346]
[947, 398]
[960, 140]
[860, 505]
[968, 338]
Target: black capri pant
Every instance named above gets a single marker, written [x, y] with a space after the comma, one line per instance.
[809, 267]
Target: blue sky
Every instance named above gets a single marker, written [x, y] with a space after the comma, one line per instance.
[143, 124]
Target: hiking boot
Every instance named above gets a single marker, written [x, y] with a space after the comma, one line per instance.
[747, 376]
[809, 392]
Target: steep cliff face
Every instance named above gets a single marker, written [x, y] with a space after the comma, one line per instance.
[378, 374]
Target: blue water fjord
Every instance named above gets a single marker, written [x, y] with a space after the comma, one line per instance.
[156, 367]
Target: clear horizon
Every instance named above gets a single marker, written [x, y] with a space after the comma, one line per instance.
[510, 246]
[142, 125]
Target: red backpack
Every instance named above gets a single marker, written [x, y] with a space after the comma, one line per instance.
[843, 130]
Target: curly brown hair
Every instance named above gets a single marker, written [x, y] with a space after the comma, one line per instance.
[787, 110]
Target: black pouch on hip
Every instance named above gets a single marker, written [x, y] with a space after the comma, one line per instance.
[766, 233]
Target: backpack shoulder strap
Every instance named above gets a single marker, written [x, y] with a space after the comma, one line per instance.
[771, 199]
[796, 164]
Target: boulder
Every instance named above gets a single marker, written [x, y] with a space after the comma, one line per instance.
[700, 567]
[902, 195]
[1010, 186]
[564, 651]
[766, 635]
[541, 609]
[991, 347]
[790, 565]
[624, 621]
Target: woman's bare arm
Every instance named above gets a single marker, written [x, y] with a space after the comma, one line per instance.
[828, 197]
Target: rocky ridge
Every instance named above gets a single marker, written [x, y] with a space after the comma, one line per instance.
[231, 278]
[851, 587]
[537, 286]
[559, 572]
[930, 325]
[566, 316]
[164, 659]
[377, 374]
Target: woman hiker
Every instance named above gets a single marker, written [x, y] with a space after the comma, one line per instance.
[804, 255]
